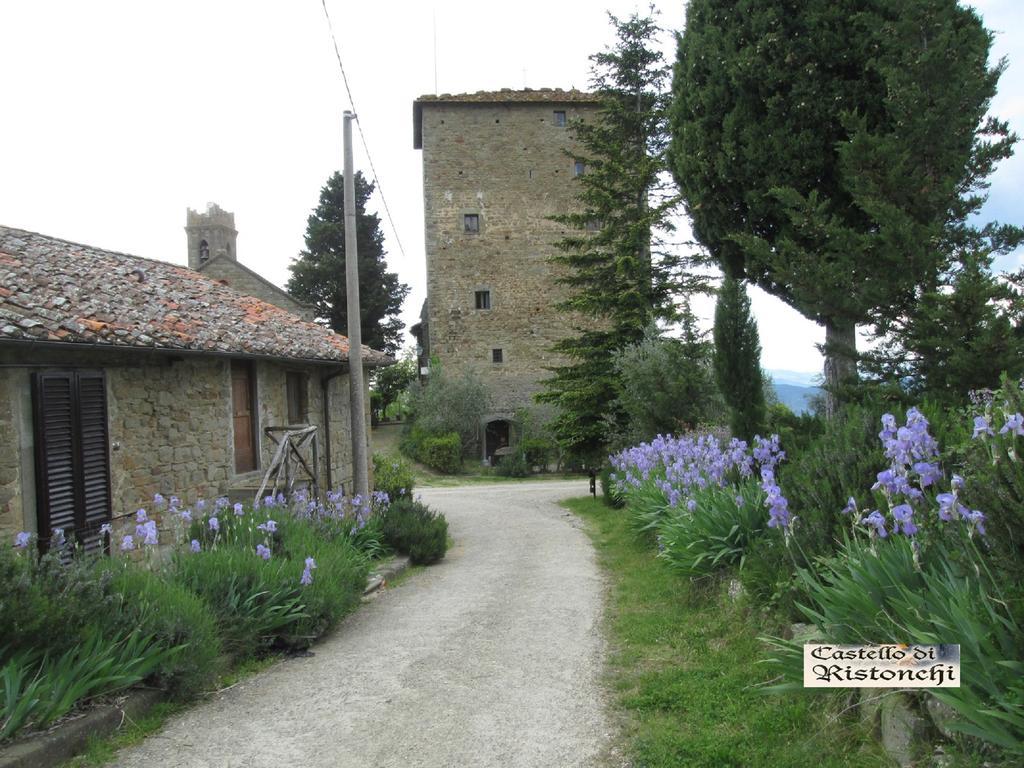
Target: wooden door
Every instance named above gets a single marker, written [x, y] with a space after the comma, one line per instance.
[243, 404]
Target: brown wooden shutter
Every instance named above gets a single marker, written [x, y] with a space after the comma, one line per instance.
[72, 459]
[95, 458]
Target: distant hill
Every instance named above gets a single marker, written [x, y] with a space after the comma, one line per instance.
[796, 397]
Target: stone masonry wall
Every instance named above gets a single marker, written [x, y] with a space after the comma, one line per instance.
[508, 164]
[170, 431]
[10, 454]
[170, 428]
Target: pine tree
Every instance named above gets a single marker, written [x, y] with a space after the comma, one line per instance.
[619, 275]
[738, 360]
[826, 150]
[318, 274]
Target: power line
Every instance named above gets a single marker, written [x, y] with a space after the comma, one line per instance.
[362, 137]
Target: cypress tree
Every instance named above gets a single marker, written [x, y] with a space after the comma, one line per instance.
[318, 275]
[621, 278]
[738, 360]
[826, 151]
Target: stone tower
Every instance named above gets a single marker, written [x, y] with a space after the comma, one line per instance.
[210, 234]
[496, 167]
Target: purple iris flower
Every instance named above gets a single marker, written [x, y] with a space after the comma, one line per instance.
[981, 427]
[946, 502]
[239, 509]
[263, 551]
[876, 520]
[127, 543]
[268, 527]
[141, 516]
[851, 506]
[1014, 424]
[903, 514]
[195, 546]
[22, 539]
[214, 524]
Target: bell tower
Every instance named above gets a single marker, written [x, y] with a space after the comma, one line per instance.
[210, 234]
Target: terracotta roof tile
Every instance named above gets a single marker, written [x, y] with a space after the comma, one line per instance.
[60, 291]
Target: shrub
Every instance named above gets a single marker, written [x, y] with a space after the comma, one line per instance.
[393, 476]
[513, 465]
[443, 453]
[610, 494]
[174, 617]
[715, 529]
[537, 451]
[448, 404]
[818, 481]
[413, 529]
[257, 603]
[43, 598]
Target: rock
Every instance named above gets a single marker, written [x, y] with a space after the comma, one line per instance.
[904, 730]
[735, 590]
[805, 633]
[870, 709]
[942, 715]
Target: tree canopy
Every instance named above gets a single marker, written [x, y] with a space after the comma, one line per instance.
[738, 360]
[831, 152]
[620, 277]
[318, 274]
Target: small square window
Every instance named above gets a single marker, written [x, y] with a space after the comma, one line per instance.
[471, 223]
[559, 118]
[579, 168]
[483, 299]
[497, 356]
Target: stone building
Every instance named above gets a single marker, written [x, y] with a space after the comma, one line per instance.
[496, 166]
[121, 377]
[213, 250]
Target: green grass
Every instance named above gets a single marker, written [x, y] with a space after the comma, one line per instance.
[100, 751]
[684, 669]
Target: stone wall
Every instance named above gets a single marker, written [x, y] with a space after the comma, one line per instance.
[506, 163]
[170, 427]
[10, 451]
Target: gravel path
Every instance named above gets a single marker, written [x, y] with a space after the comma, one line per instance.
[490, 658]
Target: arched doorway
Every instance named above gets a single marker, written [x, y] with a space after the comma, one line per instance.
[497, 435]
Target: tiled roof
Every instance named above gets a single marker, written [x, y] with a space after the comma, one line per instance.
[509, 95]
[56, 291]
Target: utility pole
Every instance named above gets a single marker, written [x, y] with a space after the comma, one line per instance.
[355, 332]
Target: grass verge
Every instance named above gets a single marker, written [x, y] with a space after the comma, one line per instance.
[684, 669]
[101, 751]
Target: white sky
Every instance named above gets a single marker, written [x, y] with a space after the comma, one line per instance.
[117, 116]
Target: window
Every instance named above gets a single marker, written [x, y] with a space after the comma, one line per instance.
[579, 168]
[72, 455]
[497, 356]
[471, 223]
[483, 299]
[559, 118]
[297, 395]
[204, 251]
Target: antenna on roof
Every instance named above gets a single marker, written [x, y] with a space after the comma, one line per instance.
[435, 50]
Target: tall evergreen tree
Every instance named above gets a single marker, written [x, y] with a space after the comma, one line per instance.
[318, 274]
[738, 360]
[620, 276]
[827, 151]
